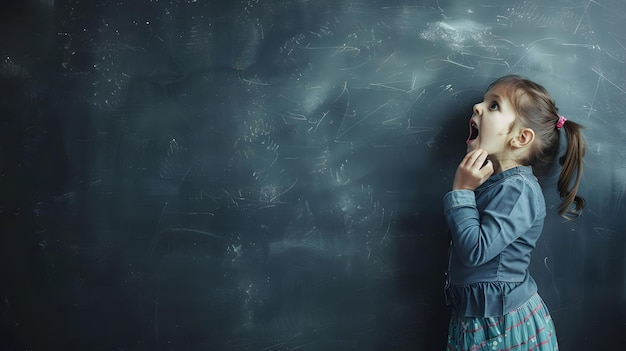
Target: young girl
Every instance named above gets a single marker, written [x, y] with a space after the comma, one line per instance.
[495, 213]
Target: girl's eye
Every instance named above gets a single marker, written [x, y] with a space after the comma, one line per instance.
[494, 106]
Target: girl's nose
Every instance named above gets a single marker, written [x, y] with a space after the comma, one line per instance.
[476, 109]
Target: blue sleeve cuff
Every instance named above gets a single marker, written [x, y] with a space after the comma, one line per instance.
[458, 198]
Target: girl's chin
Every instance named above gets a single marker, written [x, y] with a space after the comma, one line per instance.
[472, 146]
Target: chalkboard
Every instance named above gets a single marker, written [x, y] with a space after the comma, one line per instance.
[268, 175]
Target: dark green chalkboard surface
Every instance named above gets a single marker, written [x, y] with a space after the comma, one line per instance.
[268, 174]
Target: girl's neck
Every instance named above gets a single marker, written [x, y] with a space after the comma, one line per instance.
[501, 165]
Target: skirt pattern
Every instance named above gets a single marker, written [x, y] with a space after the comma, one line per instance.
[529, 327]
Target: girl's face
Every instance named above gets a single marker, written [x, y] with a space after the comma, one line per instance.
[491, 124]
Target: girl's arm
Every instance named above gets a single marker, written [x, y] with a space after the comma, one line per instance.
[479, 237]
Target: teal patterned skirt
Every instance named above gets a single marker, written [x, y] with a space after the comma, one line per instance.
[529, 327]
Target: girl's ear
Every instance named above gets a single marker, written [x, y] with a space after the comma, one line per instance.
[524, 138]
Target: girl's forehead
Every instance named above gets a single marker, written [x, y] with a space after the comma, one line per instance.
[501, 92]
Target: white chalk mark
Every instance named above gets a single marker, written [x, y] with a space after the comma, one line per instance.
[413, 80]
[587, 46]
[320, 121]
[448, 61]
[420, 94]
[387, 87]
[392, 120]
[191, 231]
[293, 116]
[249, 81]
[284, 192]
[604, 7]
[363, 119]
[431, 141]
[617, 41]
[531, 46]
[385, 61]
[510, 42]
[344, 90]
[595, 93]
[415, 130]
[608, 80]
[613, 57]
[353, 67]
[582, 16]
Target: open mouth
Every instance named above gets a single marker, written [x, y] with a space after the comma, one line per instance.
[473, 134]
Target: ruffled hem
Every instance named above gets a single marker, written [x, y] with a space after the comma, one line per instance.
[489, 299]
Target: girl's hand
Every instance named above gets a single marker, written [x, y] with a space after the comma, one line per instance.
[471, 173]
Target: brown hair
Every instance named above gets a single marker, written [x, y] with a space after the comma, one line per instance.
[536, 110]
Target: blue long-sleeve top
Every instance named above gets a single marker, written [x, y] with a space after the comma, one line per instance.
[494, 230]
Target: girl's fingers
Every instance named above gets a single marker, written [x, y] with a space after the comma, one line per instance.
[487, 169]
[471, 173]
[470, 158]
[480, 160]
[475, 158]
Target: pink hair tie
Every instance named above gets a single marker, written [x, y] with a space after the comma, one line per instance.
[560, 122]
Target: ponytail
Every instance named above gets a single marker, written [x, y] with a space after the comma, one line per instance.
[572, 166]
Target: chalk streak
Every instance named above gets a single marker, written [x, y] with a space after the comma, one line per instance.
[617, 41]
[593, 101]
[413, 80]
[387, 87]
[608, 80]
[613, 57]
[286, 190]
[363, 119]
[385, 61]
[582, 16]
[448, 61]
[353, 67]
[531, 46]
[191, 231]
